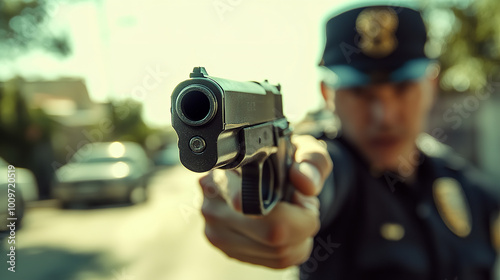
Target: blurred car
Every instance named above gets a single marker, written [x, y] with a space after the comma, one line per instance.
[25, 190]
[104, 172]
[167, 156]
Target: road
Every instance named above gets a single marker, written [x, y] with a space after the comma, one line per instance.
[160, 239]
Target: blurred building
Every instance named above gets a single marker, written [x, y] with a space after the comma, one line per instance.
[67, 103]
[43, 124]
[468, 122]
[65, 100]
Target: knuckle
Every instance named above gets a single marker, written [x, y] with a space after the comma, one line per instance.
[208, 213]
[317, 227]
[320, 159]
[229, 254]
[326, 157]
[307, 254]
[210, 190]
[284, 262]
[232, 254]
[281, 251]
[302, 139]
[329, 162]
[203, 179]
[291, 259]
[213, 237]
[206, 179]
[303, 259]
[276, 233]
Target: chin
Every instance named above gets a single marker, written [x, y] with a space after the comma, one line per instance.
[386, 160]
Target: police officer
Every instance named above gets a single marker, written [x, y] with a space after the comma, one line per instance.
[396, 205]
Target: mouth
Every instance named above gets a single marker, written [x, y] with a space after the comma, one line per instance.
[385, 142]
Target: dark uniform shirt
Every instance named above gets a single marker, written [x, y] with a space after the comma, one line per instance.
[382, 227]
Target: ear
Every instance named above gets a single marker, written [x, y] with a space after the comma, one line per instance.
[433, 81]
[433, 89]
[328, 94]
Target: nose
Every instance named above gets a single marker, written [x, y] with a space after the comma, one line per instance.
[383, 112]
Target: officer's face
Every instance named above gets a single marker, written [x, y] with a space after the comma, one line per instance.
[384, 120]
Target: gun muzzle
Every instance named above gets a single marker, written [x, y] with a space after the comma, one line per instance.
[196, 105]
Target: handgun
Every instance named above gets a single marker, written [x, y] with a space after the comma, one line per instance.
[227, 124]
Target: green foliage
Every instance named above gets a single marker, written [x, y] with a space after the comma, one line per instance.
[24, 26]
[471, 55]
[127, 121]
[21, 127]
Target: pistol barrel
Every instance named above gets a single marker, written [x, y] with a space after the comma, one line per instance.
[196, 105]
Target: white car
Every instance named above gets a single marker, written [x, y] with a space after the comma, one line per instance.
[24, 188]
[104, 172]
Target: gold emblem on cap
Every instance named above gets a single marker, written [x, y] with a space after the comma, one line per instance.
[496, 233]
[392, 231]
[452, 206]
[377, 27]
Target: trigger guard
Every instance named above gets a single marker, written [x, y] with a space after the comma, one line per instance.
[258, 190]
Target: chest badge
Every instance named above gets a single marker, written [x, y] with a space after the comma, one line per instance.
[452, 206]
[377, 28]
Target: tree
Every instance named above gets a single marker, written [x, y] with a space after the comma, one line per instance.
[24, 27]
[471, 54]
[127, 120]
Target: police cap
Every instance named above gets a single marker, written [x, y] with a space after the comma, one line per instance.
[374, 44]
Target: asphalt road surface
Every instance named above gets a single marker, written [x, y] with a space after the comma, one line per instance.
[160, 239]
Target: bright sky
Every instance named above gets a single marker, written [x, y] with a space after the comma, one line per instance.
[119, 44]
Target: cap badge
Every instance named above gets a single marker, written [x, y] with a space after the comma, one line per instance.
[377, 27]
[452, 205]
